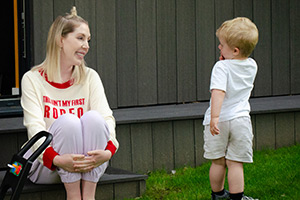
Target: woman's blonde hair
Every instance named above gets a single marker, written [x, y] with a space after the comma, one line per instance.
[61, 27]
[239, 32]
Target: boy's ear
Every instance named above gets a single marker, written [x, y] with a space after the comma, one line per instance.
[236, 51]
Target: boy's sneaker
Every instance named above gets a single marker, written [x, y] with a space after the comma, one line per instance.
[248, 198]
[225, 196]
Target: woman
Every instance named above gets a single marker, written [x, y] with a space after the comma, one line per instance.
[67, 99]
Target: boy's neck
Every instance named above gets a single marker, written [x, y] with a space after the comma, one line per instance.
[239, 58]
[243, 58]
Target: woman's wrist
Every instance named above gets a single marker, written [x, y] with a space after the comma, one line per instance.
[55, 161]
[108, 153]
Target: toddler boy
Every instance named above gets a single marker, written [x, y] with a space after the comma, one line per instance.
[228, 130]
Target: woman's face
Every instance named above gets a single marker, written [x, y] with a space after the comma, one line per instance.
[75, 46]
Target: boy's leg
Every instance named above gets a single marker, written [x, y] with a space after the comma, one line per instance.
[215, 148]
[239, 151]
[235, 176]
[217, 174]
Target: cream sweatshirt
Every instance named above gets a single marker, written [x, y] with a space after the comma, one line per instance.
[43, 102]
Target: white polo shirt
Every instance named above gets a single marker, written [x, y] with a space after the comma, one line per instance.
[235, 78]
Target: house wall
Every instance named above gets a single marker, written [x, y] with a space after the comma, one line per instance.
[151, 52]
[169, 144]
[172, 144]
[154, 52]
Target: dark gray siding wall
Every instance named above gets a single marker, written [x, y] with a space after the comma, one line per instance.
[172, 144]
[151, 52]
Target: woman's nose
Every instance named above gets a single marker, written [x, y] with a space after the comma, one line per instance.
[85, 45]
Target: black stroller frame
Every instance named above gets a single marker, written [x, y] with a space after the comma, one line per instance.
[19, 167]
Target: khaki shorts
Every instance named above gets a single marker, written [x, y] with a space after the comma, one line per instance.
[234, 141]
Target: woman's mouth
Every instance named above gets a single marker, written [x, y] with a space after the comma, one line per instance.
[80, 54]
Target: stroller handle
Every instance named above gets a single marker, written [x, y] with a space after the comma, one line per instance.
[33, 140]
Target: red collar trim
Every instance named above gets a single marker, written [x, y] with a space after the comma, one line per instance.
[64, 85]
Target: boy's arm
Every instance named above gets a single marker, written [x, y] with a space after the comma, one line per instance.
[217, 97]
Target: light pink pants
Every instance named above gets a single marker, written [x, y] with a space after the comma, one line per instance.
[72, 135]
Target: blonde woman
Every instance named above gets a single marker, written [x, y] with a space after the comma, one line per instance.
[67, 99]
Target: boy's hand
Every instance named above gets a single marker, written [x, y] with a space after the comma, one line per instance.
[221, 57]
[214, 130]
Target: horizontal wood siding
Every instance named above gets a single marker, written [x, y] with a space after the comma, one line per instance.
[166, 52]
[172, 144]
[42, 20]
[280, 40]
[285, 129]
[151, 52]
[146, 52]
[142, 152]
[123, 156]
[265, 127]
[262, 52]
[126, 53]
[107, 51]
[163, 141]
[297, 128]
[8, 142]
[184, 143]
[295, 45]
[88, 13]
[186, 50]
[206, 47]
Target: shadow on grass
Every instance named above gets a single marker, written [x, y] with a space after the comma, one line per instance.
[274, 175]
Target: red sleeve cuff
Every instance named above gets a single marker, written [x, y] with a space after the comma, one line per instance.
[48, 157]
[111, 147]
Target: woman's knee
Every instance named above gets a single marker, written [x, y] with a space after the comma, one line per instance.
[92, 116]
[94, 124]
[93, 119]
[67, 134]
[68, 124]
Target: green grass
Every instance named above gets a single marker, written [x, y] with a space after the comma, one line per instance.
[274, 175]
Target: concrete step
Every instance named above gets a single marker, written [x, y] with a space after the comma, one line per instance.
[115, 184]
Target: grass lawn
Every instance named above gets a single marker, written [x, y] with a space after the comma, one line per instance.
[274, 175]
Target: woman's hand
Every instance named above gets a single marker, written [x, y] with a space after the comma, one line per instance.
[67, 161]
[94, 159]
[80, 163]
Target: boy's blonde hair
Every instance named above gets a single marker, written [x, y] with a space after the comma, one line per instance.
[61, 27]
[239, 32]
